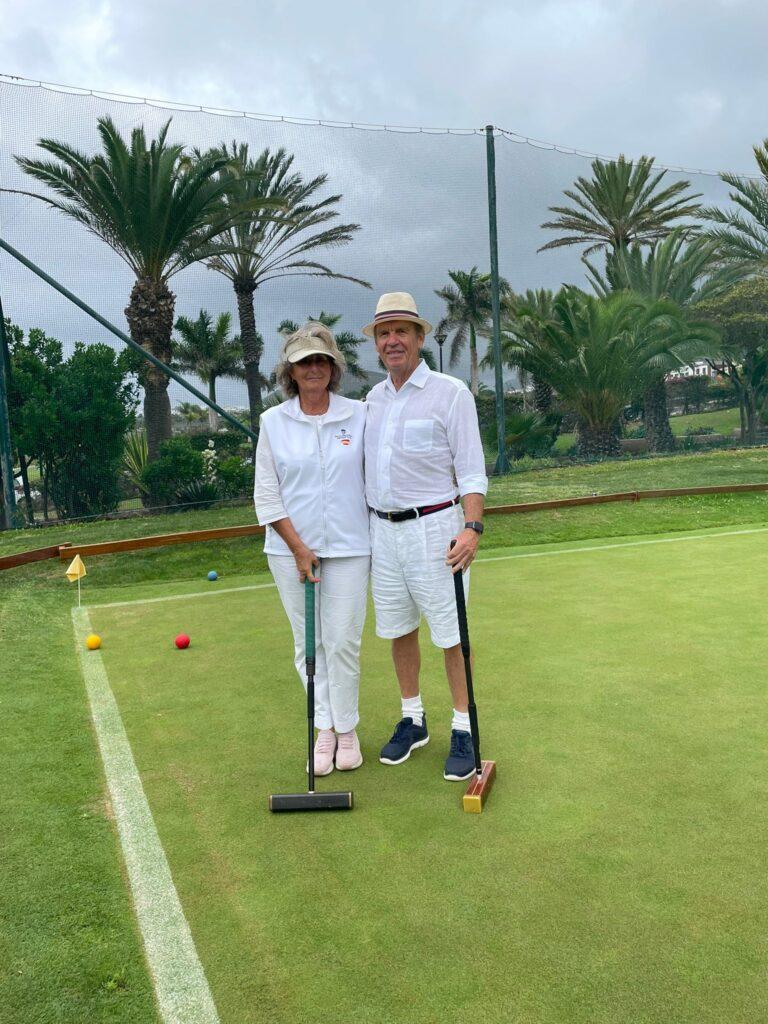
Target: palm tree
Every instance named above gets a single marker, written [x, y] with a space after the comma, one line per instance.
[686, 271]
[191, 413]
[209, 352]
[621, 204]
[516, 321]
[743, 234]
[347, 341]
[264, 248]
[468, 302]
[598, 352]
[159, 211]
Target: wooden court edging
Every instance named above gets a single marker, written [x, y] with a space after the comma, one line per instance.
[161, 540]
[68, 550]
[38, 555]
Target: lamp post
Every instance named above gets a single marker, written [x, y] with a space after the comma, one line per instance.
[440, 336]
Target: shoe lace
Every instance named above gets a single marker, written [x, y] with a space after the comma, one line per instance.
[325, 741]
[461, 744]
[347, 741]
[402, 726]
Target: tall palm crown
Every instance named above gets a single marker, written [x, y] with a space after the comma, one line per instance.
[622, 203]
[599, 352]
[742, 234]
[686, 270]
[207, 350]
[159, 211]
[265, 247]
[468, 310]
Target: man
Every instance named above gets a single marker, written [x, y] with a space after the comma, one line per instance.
[422, 453]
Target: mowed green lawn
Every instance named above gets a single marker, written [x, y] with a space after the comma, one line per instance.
[617, 873]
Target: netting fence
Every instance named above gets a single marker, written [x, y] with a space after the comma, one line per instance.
[418, 200]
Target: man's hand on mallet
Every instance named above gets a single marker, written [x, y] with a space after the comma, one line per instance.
[462, 553]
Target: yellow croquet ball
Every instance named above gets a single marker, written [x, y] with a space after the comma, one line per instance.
[93, 642]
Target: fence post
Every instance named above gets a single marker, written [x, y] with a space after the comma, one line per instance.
[502, 465]
[10, 519]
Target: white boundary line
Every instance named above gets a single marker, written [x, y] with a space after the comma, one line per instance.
[183, 597]
[479, 561]
[181, 987]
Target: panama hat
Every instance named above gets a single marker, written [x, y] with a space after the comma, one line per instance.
[310, 340]
[396, 306]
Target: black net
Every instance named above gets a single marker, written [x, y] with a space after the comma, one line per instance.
[419, 198]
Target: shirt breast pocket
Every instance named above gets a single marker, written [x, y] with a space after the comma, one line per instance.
[417, 435]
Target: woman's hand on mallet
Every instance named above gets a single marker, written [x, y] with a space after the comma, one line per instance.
[306, 560]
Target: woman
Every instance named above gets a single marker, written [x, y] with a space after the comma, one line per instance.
[309, 493]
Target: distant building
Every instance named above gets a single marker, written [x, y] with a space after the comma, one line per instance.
[700, 368]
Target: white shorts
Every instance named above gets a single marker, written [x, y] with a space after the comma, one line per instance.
[410, 577]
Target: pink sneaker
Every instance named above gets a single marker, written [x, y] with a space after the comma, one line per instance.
[348, 754]
[325, 748]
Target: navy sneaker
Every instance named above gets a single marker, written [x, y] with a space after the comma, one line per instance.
[405, 738]
[461, 760]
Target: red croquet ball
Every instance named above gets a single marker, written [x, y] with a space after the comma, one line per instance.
[182, 641]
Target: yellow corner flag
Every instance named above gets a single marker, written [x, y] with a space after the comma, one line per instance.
[76, 571]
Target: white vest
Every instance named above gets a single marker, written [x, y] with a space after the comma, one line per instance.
[320, 471]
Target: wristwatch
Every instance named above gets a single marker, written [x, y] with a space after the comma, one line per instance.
[474, 525]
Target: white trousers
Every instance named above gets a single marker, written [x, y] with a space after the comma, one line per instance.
[340, 604]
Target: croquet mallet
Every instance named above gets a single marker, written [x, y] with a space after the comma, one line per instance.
[310, 801]
[485, 771]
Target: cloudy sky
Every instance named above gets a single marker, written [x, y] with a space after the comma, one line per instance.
[684, 81]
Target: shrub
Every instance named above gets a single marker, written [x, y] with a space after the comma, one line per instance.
[699, 431]
[234, 477]
[178, 466]
[226, 442]
[197, 494]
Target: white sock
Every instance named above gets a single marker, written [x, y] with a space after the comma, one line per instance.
[460, 721]
[413, 709]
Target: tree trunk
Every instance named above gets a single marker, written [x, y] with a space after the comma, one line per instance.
[742, 417]
[150, 320]
[598, 441]
[213, 416]
[750, 408]
[658, 432]
[473, 371]
[252, 347]
[543, 396]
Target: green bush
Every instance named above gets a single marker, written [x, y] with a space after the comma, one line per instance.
[699, 431]
[226, 442]
[234, 477]
[198, 494]
[177, 467]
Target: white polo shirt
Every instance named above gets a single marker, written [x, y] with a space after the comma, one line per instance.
[422, 443]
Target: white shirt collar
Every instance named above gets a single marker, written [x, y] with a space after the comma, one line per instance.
[338, 409]
[418, 378]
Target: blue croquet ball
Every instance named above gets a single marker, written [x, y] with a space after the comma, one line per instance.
[213, 575]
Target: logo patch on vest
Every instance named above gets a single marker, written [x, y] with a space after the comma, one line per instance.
[344, 436]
